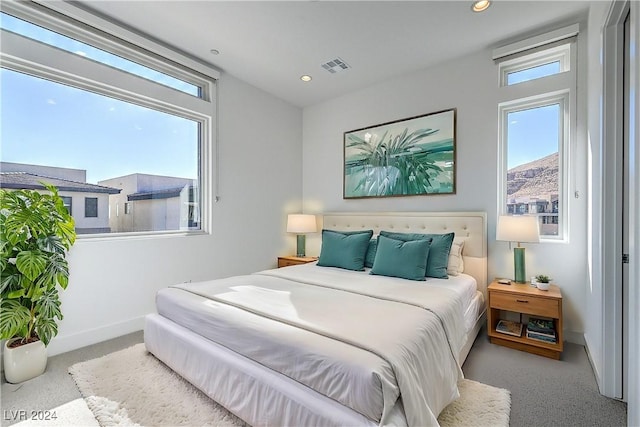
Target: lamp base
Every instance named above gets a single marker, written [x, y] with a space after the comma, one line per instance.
[518, 263]
[300, 251]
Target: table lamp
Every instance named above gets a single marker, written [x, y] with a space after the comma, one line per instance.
[300, 224]
[519, 229]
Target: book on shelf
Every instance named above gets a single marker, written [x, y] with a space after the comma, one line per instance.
[509, 327]
[542, 337]
[551, 334]
[544, 326]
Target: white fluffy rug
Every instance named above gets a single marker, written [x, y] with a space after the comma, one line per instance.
[74, 413]
[131, 387]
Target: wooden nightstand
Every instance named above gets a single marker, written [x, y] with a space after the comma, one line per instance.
[285, 261]
[525, 299]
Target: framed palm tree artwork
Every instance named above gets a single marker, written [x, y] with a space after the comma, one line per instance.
[408, 157]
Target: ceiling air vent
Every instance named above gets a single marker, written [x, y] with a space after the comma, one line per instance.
[335, 65]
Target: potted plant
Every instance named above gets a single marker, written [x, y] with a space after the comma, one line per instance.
[542, 282]
[36, 232]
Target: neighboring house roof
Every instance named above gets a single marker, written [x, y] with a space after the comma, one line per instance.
[165, 193]
[31, 181]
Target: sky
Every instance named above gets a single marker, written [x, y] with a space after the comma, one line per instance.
[45, 123]
[532, 134]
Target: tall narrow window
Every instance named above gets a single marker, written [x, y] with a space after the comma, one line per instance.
[534, 136]
[535, 122]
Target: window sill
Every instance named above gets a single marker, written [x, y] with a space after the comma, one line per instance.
[139, 235]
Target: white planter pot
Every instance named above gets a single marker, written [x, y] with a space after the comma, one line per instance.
[24, 362]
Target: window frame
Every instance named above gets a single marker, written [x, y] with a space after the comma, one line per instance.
[556, 88]
[548, 55]
[28, 56]
[77, 22]
[563, 98]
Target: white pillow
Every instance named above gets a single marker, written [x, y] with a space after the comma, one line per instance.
[456, 263]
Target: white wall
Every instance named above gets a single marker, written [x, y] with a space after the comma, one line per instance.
[468, 84]
[602, 305]
[113, 281]
[593, 304]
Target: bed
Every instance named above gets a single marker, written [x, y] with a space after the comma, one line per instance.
[311, 345]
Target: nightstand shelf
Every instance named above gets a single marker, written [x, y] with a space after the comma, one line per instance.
[525, 299]
[286, 261]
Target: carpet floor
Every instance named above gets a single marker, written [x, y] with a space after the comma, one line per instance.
[544, 392]
[132, 387]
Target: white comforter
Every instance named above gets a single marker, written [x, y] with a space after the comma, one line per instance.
[362, 340]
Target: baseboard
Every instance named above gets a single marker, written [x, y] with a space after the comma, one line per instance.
[574, 337]
[596, 373]
[65, 343]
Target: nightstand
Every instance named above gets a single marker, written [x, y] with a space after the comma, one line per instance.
[525, 299]
[285, 261]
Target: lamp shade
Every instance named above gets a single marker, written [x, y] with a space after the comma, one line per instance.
[518, 228]
[300, 223]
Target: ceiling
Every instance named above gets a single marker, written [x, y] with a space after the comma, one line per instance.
[270, 44]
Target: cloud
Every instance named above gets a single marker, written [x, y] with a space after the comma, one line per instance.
[51, 101]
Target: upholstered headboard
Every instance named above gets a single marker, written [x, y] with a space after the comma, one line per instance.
[472, 226]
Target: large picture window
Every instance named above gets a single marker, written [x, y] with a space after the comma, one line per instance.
[117, 126]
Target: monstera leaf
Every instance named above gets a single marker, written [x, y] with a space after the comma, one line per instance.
[36, 231]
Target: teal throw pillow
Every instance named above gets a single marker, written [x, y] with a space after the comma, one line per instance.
[404, 259]
[438, 253]
[370, 256]
[344, 249]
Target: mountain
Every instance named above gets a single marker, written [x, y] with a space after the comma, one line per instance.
[538, 178]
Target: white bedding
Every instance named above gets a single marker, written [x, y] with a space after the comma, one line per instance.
[376, 375]
[265, 398]
[474, 310]
[463, 284]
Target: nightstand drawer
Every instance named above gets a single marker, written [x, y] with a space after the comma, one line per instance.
[526, 304]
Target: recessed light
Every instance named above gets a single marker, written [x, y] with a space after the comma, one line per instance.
[305, 78]
[481, 5]
[215, 52]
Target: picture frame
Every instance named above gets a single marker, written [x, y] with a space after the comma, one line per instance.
[408, 157]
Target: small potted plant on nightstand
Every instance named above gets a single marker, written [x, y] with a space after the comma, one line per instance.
[36, 231]
[542, 282]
